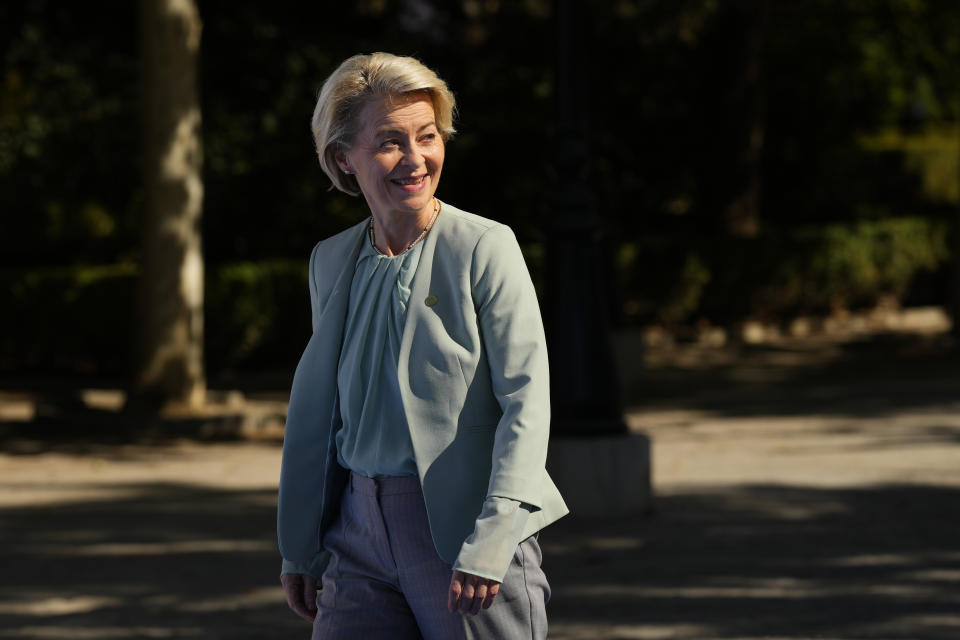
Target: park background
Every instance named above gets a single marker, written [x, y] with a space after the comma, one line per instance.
[777, 187]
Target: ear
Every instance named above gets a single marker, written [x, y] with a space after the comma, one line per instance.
[342, 162]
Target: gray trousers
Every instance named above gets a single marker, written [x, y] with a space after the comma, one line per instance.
[385, 579]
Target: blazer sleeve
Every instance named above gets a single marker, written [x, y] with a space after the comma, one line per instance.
[515, 345]
[302, 457]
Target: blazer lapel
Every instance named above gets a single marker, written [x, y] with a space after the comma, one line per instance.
[419, 290]
[416, 310]
[333, 316]
[308, 498]
[334, 312]
[330, 329]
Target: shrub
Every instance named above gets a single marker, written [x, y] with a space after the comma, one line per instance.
[780, 273]
[83, 318]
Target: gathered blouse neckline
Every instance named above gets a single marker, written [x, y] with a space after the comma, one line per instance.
[423, 238]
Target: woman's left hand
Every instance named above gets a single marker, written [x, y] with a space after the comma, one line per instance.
[469, 592]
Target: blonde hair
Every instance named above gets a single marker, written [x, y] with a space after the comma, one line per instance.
[336, 118]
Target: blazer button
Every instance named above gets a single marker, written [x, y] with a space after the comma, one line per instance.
[431, 300]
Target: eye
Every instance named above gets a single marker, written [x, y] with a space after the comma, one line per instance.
[390, 143]
[429, 137]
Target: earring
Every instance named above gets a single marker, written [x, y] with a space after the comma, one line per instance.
[348, 172]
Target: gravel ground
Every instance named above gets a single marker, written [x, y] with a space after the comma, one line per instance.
[804, 489]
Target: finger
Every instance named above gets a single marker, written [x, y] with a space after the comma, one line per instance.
[491, 595]
[293, 590]
[291, 587]
[296, 603]
[479, 597]
[466, 598]
[456, 588]
[310, 595]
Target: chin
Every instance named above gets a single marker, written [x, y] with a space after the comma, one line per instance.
[418, 203]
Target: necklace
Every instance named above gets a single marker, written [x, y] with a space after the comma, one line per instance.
[426, 229]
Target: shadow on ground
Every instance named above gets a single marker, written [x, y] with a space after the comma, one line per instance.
[182, 561]
[148, 561]
[766, 561]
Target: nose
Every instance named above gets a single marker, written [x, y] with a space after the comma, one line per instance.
[412, 156]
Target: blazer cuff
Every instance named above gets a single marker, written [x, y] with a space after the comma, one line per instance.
[287, 566]
[315, 568]
[490, 548]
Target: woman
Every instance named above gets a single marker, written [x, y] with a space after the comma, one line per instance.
[413, 476]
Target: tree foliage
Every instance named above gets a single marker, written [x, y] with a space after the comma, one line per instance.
[860, 109]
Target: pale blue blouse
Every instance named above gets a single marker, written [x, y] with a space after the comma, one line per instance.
[375, 438]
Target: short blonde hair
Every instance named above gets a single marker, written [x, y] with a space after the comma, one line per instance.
[336, 118]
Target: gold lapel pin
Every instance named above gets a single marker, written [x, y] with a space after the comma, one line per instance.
[431, 300]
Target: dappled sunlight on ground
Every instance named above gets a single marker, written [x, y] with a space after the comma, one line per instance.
[819, 501]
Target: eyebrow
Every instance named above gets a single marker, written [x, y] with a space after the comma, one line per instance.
[387, 131]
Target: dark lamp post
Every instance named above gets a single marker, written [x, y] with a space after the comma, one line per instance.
[584, 387]
[601, 468]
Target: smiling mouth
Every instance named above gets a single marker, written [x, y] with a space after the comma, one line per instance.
[409, 181]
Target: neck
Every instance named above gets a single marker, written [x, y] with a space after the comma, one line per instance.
[394, 232]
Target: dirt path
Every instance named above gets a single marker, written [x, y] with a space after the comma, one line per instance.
[806, 490]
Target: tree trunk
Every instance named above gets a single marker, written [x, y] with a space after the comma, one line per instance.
[170, 350]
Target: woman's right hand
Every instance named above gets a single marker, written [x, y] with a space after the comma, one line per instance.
[301, 592]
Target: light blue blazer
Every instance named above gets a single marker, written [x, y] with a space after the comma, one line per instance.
[473, 380]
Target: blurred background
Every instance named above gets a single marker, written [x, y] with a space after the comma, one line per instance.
[777, 186]
[763, 161]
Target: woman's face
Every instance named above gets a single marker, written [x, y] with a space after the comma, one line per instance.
[397, 156]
